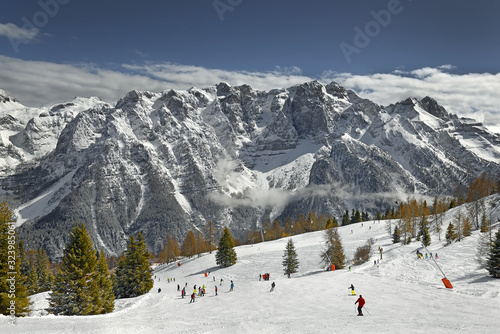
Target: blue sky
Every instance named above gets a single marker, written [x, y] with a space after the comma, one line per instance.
[52, 50]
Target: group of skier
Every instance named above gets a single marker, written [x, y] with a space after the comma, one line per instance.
[360, 301]
[426, 256]
[200, 291]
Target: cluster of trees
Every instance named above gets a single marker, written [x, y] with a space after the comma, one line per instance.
[14, 300]
[195, 243]
[416, 217]
[81, 284]
[84, 286]
[303, 224]
[37, 268]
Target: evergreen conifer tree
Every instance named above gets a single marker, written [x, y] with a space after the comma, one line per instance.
[32, 281]
[77, 289]
[493, 263]
[42, 268]
[134, 274]
[334, 252]
[290, 259]
[345, 218]
[329, 224]
[426, 237]
[225, 255]
[484, 224]
[25, 265]
[14, 300]
[450, 234]
[396, 235]
[105, 302]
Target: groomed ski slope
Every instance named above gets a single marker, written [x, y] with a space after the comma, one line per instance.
[403, 294]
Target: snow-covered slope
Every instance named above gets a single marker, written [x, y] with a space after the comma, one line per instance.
[403, 294]
[171, 161]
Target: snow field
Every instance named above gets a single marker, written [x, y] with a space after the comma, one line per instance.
[403, 294]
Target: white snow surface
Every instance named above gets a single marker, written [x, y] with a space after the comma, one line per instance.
[403, 294]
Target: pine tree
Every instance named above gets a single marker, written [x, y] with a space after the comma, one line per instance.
[225, 255]
[355, 217]
[25, 265]
[329, 224]
[14, 300]
[134, 274]
[42, 268]
[484, 224]
[345, 218]
[396, 236]
[32, 281]
[105, 302]
[426, 237]
[290, 260]
[334, 252]
[493, 263]
[451, 235]
[77, 288]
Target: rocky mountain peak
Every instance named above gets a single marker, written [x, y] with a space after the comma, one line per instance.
[431, 106]
[171, 161]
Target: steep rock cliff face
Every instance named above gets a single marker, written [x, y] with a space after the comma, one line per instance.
[170, 162]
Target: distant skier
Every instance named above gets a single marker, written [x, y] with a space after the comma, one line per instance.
[183, 292]
[232, 286]
[216, 290]
[221, 281]
[193, 296]
[361, 302]
[178, 287]
[352, 290]
[272, 287]
[159, 290]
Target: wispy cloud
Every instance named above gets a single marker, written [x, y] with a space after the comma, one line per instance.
[37, 83]
[13, 32]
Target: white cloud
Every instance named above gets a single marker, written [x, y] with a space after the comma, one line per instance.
[13, 32]
[473, 95]
[37, 83]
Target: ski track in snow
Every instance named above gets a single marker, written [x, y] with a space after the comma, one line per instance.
[403, 294]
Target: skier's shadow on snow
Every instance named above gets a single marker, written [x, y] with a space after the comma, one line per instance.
[310, 273]
[208, 270]
[483, 279]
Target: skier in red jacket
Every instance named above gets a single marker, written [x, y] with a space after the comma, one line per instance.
[361, 302]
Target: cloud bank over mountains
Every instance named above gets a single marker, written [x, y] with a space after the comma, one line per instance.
[37, 83]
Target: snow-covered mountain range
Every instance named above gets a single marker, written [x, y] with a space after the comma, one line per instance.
[170, 162]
